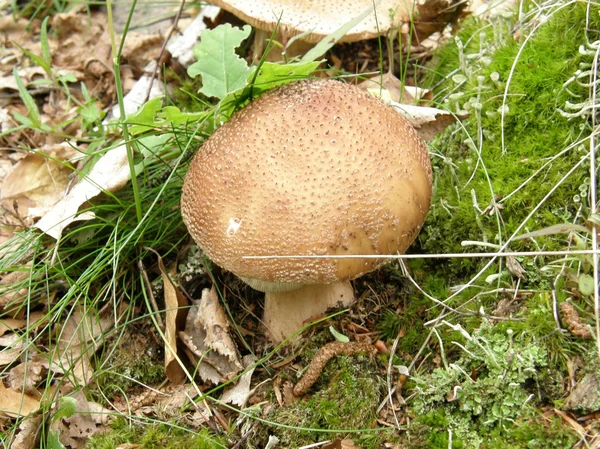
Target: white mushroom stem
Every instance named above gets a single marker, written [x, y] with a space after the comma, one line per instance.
[287, 312]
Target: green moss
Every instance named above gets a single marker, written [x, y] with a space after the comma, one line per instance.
[533, 131]
[345, 398]
[154, 436]
[433, 430]
[133, 361]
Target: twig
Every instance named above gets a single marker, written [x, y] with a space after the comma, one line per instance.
[163, 48]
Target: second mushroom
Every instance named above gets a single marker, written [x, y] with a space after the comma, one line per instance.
[313, 168]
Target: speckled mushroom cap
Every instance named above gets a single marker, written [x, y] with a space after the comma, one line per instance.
[311, 168]
[318, 18]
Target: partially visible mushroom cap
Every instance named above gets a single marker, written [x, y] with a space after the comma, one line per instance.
[312, 168]
[319, 18]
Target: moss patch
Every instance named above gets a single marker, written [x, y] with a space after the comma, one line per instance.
[344, 399]
[154, 436]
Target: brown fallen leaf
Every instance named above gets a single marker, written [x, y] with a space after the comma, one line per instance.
[29, 433]
[426, 120]
[12, 294]
[79, 338]
[175, 304]
[390, 87]
[27, 375]
[206, 335]
[88, 419]
[341, 444]
[11, 348]
[11, 324]
[33, 186]
[15, 404]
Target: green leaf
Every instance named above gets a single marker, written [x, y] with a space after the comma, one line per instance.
[271, 75]
[89, 113]
[67, 78]
[46, 56]
[221, 69]
[586, 284]
[26, 121]
[38, 60]
[28, 101]
[321, 48]
[68, 406]
[338, 336]
[173, 116]
[143, 119]
[52, 442]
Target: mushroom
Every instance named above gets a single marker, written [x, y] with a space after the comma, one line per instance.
[313, 168]
[312, 20]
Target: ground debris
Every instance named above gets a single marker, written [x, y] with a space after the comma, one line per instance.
[585, 396]
[572, 320]
[328, 351]
[206, 335]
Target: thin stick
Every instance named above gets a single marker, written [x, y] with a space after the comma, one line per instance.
[435, 256]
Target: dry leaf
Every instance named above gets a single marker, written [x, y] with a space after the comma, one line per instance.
[78, 340]
[427, 121]
[239, 393]
[29, 433]
[87, 420]
[207, 336]
[341, 444]
[35, 184]
[27, 375]
[389, 87]
[110, 173]
[175, 304]
[12, 346]
[9, 298]
[11, 324]
[15, 404]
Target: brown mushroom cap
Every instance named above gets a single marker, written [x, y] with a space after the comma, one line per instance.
[311, 168]
[318, 18]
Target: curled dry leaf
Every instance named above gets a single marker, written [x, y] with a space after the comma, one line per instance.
[175, 304]
[207, 337]
[427, 121]
[27, 375]
[239, 393]
[389, 87]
